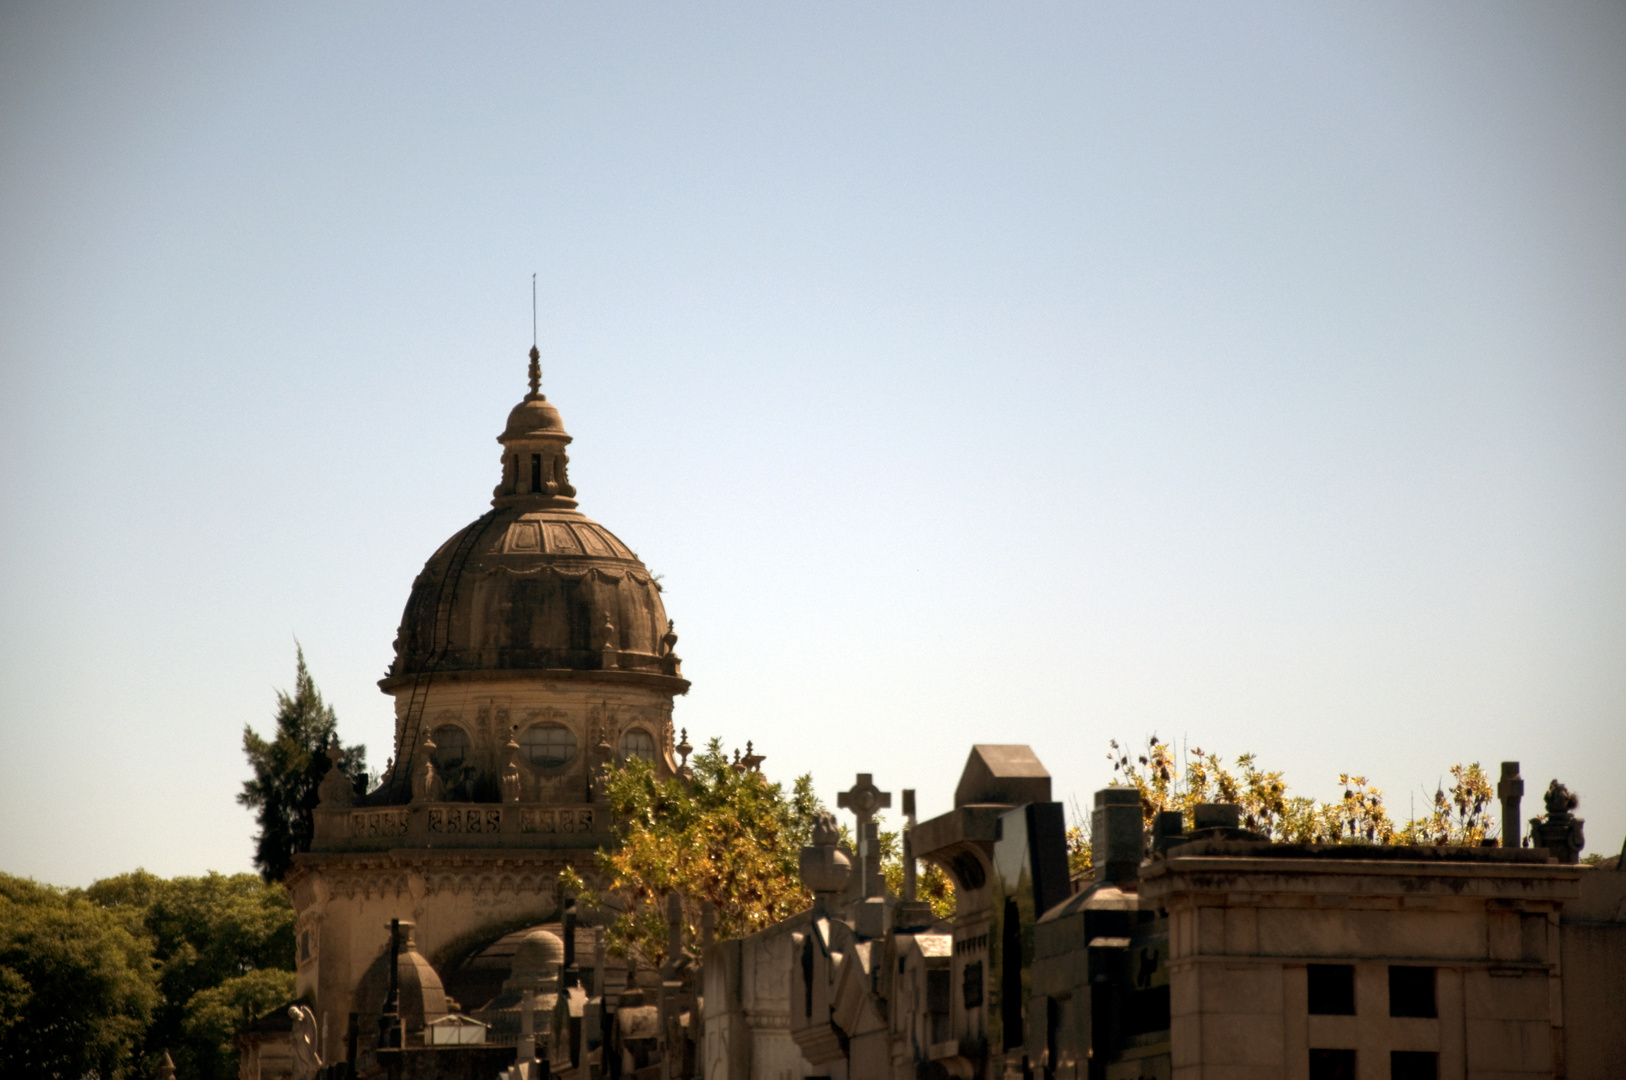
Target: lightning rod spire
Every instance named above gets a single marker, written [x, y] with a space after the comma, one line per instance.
[536, 354]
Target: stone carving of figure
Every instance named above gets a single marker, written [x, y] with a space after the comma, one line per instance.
[426, 785]
[1559, 801]
[335, 788]
[1563, 834]
[306, 1060]
[510, 771]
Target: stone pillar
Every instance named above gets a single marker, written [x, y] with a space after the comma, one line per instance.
[1118, 833]
[1510, 789]
[527, 1031]
[908, 844]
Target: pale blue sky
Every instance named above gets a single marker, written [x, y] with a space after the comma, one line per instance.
[973, 373]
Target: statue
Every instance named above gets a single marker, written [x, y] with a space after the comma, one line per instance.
[1562, 833]
[304, 1036]
[510, 771]
[426, 786]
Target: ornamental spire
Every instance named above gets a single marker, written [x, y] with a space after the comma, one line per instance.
[535, 375]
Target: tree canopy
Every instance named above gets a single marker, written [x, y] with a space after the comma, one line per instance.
[77, 986]
[288, 769]
[728, 836]
[104, 981]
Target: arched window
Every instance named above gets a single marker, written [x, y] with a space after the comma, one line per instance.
[548, 746]
[451, 748]
[638, 743]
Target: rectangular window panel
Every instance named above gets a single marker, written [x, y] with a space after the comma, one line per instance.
[1411, 991]
[1332, 989]
[1414, 1065]
[1332, 1065]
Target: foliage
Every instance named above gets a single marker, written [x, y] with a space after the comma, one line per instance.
[1080, 853]
[728, 837]
[932, 883]
[287, 770]
[77, 987]
[1460, 814]
[212, 1017]
[205, 933]
[104, 981]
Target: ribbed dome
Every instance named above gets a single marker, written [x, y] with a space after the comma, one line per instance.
[534, 584]
[533, 417]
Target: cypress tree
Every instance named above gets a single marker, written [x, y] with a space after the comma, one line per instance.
[287, 769]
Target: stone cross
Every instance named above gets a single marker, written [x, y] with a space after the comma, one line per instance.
[863, 799]
[1509, 789]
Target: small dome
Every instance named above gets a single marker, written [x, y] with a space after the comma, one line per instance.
[535, 417]
[420, 995]
[537, 952]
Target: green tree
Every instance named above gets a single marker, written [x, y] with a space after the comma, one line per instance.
[77, 987]
[213, 1016]
[287, 770]
[727, 836]
[205, 933]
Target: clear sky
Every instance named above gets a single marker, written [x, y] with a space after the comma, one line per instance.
[1252, 375]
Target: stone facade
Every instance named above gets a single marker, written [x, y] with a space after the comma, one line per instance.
[1203, 955]
[534, 648]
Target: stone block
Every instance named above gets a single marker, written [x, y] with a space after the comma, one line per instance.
[1414, 1033]
[1505, 997]
[1242, 1072]
[1241, 930]
[1185, 992]
[1229, 988]
[1185, 1040]
[1210, 931]
[1509, 1044]
[1334, 1032]
[1242, 1039]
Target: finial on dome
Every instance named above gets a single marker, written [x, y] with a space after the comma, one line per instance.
[535, 374]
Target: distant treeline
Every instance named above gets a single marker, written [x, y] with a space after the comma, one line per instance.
[104, 981]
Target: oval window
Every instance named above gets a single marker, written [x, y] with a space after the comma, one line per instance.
[638, 743]
[548, 746]
[451, 747]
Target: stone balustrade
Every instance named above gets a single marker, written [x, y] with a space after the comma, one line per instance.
[460, 825]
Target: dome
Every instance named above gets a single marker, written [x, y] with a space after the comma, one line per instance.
[419, 994]
[535, 416]
[534, 585]
[538, 959]
[538, 951]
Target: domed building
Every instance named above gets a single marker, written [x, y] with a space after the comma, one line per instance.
[534, 649]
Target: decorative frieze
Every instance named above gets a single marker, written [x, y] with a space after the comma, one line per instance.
[391, 822]
[541, 820]
[472, 819]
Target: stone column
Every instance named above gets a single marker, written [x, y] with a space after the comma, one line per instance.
[1510, 789]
